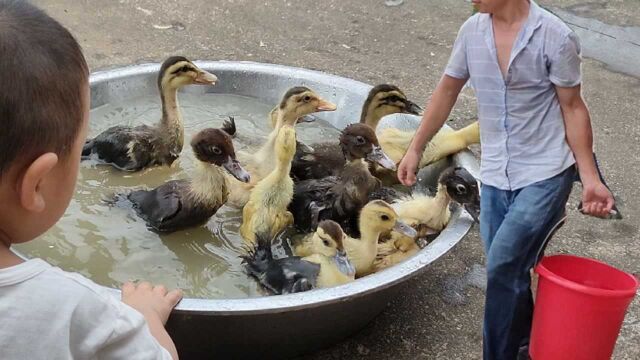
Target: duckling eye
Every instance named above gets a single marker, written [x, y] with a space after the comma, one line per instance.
[461, 189]
[307, 98]
[384, 217]
[325, 242]
[359, 140]
[185, 68]
[216, 150]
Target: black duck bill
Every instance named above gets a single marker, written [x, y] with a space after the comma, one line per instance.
[412, 108]
[378, 156]
[234, 168]
[405, 229]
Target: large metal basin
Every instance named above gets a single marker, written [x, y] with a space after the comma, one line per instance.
[289, 325]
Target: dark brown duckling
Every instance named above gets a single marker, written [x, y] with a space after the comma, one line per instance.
[326, 159]
[135, 148]
[180, 204]
[341, 197]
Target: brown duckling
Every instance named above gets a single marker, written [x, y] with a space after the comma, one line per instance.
[135, 148]
[341, 197]
[320, 262]
[296, 103]
[429, 215]
[376, 218]
[266, 211]
[181, 204]
[326, 159]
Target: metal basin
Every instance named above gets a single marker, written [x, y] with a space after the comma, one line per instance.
[289, 325]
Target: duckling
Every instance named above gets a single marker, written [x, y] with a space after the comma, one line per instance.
[266, 211]
[326, 159]
[340, 198]
[320, 261]
[295, 103]
[376, 218]
[135, 148]
[429, 215]
[179, 204]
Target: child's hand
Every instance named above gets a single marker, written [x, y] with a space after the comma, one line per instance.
[151, 300]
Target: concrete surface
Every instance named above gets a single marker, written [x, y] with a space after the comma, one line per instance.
[437, 315]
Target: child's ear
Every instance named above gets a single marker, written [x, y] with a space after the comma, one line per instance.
[29, 187]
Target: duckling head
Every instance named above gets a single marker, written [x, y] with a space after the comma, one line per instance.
[380, 217]
[385, 100]
[359, 141]
[178, 71]
[214, 146]
[300, 101]
[462, 187]
[328, 238]
[285, 144]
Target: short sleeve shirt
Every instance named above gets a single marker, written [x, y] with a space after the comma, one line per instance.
[47, 313]
[521, 125]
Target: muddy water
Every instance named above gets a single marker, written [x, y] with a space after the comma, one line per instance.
[111, 245]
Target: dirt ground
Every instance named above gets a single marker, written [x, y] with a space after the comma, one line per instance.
[437, 315]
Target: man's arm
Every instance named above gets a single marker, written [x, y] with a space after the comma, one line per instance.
[437, 112]
[597, 200]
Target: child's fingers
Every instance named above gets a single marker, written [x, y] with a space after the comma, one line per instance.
[160, 290]
[145, 285]
[128, 288]
[174, 297]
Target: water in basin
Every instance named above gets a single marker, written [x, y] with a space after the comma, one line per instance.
[112, 245]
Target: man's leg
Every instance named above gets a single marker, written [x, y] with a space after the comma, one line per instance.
[494, 204]
[512, 253]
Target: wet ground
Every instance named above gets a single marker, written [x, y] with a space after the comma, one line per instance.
[437, 315]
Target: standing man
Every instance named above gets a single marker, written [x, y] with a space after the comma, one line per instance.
[524, 66]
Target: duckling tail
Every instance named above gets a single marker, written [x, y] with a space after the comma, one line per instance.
[229, 126]
[87, 149]
[258, 258]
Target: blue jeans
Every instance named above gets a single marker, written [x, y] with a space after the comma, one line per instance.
[513, 227]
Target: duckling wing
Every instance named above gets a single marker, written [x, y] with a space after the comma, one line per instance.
[124, 147]
[326, 159]
[159, 206]
[310, 202]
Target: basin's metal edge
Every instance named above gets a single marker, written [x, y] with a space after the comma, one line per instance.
[458, 227]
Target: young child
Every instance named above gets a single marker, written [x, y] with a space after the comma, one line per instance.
[524, 66]
[46, 313]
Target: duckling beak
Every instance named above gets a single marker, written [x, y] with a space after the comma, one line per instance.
[405, 229]
[324, 105]
[473, 208]
[378, 156]
[412, 108]
[344, 265]
[206, 78]
[234, 168]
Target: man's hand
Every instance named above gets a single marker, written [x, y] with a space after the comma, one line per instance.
[597, 200]
[407, 168]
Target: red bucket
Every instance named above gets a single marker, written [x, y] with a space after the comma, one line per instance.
[580, 306]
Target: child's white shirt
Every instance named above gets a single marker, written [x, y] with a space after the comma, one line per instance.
[47, 313]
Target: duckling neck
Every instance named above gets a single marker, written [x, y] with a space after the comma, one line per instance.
[370, 117]
[209, 185]
[284, 118]
[171, 125]
[442, 198]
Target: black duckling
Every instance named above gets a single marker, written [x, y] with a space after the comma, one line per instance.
[321, 262]
[181, 204]
[135, 148]
[325, 159]
[341, 197]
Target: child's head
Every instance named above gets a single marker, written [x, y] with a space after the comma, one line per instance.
[44, 110]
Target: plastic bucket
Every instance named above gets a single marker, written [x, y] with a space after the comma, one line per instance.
[580, 306]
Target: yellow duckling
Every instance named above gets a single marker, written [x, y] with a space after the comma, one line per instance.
[376, 218]
[429, 215]
[387, 99]
[296, 103]
[266, 211]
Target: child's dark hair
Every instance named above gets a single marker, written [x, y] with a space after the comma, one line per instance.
[41, 86]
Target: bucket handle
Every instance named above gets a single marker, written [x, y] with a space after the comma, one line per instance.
[553, 230]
